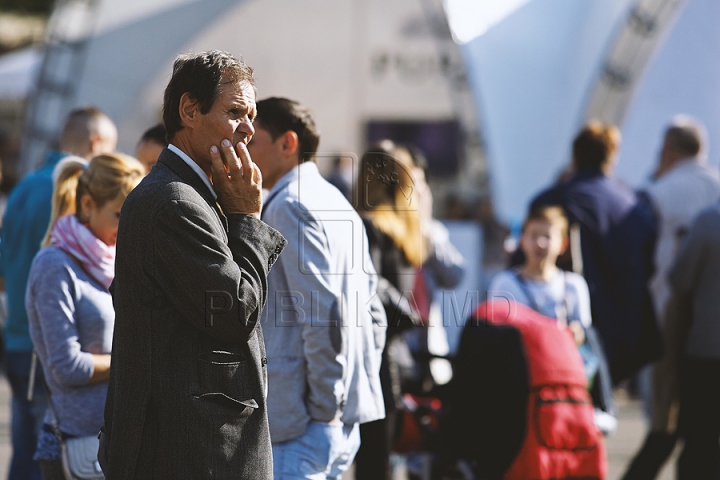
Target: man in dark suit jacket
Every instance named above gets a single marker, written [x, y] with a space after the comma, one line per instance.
[187, 389]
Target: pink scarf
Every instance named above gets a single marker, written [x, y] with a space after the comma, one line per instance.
[75, 239]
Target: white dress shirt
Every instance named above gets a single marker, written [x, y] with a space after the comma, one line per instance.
[196, 168]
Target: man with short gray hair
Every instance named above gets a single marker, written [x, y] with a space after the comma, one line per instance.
[684, 184]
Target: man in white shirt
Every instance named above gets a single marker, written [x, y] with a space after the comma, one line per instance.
[324, 325]
[684, 184]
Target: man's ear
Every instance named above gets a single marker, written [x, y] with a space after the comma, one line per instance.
[290, 143]
[189, 110]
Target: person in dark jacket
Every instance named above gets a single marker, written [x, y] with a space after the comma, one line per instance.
[617, 237]
[188, 380]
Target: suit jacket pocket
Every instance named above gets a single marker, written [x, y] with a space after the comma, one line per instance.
[223, 377]
[221, 408]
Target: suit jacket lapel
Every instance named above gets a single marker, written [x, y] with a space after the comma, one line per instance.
[188, 175]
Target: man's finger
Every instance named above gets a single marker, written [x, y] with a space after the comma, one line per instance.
[247, 163]
[231, 160]
[218, 167]
[257, 175]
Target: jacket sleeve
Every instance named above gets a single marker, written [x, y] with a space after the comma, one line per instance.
[50, 295]
[690, 260]
[217, 287]
[376, 309]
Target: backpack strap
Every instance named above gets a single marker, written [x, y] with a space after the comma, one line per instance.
[526, 290]
[531, 300]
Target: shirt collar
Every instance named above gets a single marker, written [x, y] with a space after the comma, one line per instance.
[304, 168]
[195, 167]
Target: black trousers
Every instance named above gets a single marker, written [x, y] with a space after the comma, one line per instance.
[377, 438]
[699, 423]
[51, 470]
[651, 457]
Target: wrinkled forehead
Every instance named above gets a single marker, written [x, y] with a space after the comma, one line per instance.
[239, 91]
[231, 77]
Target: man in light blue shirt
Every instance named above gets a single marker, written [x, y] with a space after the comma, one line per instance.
[87, 132]
[323, 323]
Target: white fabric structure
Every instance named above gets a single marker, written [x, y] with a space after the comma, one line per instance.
[531, 74]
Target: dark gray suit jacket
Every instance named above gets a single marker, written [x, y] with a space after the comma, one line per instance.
[187, 389]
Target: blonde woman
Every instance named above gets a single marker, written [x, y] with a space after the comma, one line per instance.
[390, 206]
[70, 310]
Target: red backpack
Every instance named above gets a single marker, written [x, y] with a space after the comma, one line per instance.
[561, 439]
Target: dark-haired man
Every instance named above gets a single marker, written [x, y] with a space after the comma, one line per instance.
[87, 132]
[187, 389]
[324, 324]
[151, 145]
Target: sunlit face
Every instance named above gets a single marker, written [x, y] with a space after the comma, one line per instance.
[266, 154]
[148, 153]
[103, 221]
[231, 117]
[541, 241]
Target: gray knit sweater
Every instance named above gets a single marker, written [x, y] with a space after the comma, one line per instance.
[71, 317]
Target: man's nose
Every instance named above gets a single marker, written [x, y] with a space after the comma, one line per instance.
[247, 128]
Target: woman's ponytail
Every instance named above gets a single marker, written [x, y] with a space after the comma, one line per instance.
[65, 177]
